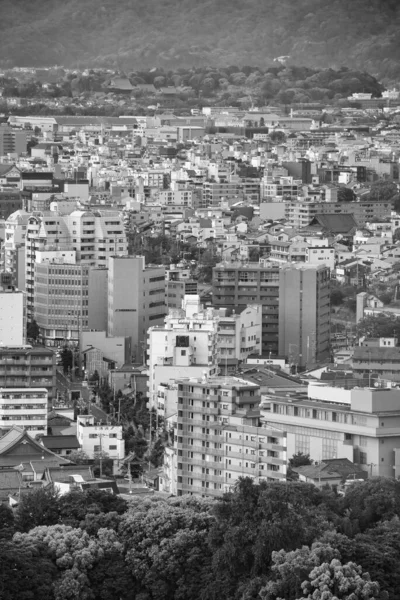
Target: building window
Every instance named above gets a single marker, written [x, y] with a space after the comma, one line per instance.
[112, 447]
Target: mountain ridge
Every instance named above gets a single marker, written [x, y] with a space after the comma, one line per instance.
[134, 34]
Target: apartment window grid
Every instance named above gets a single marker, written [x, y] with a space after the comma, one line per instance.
[302, 444]
[329, 448]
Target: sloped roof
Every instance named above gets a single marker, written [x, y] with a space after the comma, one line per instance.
[10, 479]
[63, 474]
[334, 223]
[60, 442]
[4, 169]
[373, 353]
[17, 437]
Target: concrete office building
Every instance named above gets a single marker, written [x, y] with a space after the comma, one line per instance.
[25, 408]
[362, 425]
[68, 297]
[219, 438]
[304, 313]
[28, 367]
[110, 352]
[136, 300]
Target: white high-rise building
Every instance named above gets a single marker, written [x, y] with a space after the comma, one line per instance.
[93, 235]
[194, 341]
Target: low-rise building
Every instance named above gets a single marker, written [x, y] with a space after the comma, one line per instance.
[360, 424]
[96, 438]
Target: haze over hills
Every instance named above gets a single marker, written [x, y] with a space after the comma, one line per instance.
[132, 34]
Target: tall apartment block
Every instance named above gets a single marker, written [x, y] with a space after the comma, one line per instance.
[304, 313]
[13, 248]
[235, 285]
[295, 305]
[27, 367]
[93, 235]
[219, 438]
[136, 299]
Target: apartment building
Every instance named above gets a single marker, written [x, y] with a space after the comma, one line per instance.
[282, 187]
[383, 360]
[13, 248]
[136, 299]
[178, 285]
[184, 345]
[94, 437]
[175, 197]
[214, 193]
[12, 141]
[93, 235]
[28, 367]
[219, 437]
[304, 313]
[362, 425]
[25, 408]
[301, 212]
[237, 284]
[239, 336]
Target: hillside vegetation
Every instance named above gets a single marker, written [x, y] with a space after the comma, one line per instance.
[133, 34]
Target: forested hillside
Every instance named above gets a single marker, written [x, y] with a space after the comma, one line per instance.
[133, 34]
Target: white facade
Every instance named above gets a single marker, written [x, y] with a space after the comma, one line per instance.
[25, 407]
[94, 235]
[184, 347]
[94, 438]
[12, 318]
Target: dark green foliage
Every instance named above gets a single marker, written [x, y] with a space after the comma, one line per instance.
[76, 506]
[24, 573]
[39, 507]
[267, 541]
[32, 330]
[379, 326]
[6, 522]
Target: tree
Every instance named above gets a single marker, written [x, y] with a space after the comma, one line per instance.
[396, 235]
[79, 457]
[76, 505]
[32, 330]
[336, 296]
[157, 453]
[290, 569]
[167, 547]
[379, 326]
[372, 501]
[88, 566]
[38, 507]
[334, 581]
[66, 359]
[299, 459]
[345, 195]
[6, 522]
[24, 573]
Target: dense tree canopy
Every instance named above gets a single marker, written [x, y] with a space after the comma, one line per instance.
[269, 541]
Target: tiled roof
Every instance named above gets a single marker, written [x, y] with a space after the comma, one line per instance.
[58, 442]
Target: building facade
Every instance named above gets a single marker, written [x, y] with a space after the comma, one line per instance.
[25, 408]
[304, 313]
[27, 367]
[219, 437]
[136, 300]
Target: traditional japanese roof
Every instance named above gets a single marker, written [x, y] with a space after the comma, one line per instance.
[60, 442]
[17, 447]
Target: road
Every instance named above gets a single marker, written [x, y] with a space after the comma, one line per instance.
[65, 386]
